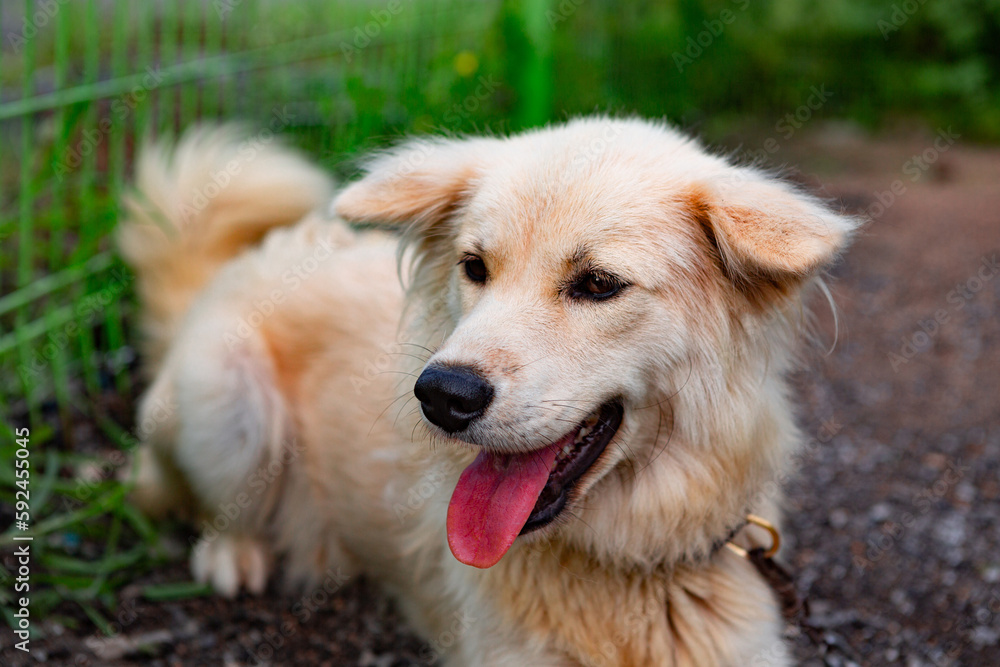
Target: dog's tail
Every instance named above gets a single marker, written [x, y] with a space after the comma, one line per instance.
[198, 204]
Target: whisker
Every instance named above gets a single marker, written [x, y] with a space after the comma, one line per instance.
[386, 409]
[409, 354]
[540, 407]
[580, 519]
[684, 384]
[412, 375]
[400, 411]
[558, 419]
[517, 368]
[627, 453]
[572, 407]
[415, 427]
[670, 436]
[422, 347]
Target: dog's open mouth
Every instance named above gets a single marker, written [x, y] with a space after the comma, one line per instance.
[501, 496]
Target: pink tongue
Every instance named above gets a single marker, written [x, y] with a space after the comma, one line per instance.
[492, 502]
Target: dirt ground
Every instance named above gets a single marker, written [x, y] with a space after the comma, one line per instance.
[892, 524]
[895, 519]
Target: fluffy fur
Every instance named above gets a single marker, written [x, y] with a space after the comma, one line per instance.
[287, 367]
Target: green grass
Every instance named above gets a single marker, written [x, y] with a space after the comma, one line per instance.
[87, 543]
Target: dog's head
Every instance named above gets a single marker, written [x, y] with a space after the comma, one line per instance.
[614, 310]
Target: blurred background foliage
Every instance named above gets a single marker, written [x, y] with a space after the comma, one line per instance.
[82, 82]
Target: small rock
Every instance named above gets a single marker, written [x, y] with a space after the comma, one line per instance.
[985, 636]
[965, 492]
[839, 518]
[369, 659]
[880, 512]
[950, 530]
[935, 460]
[119, 646]
[902, 601]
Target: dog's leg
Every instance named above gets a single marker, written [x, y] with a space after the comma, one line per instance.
[206, 426]
[232, 426]
[159, 487]
[229, 562]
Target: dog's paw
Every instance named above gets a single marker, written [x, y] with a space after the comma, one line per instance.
[231, 562]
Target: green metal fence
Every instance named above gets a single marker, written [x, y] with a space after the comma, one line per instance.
[81, 83]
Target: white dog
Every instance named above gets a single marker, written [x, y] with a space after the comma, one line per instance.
[574, 403]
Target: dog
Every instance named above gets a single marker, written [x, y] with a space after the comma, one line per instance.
[530, 384]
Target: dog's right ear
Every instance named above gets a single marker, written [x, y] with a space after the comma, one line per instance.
[768, 237]
[421, 182]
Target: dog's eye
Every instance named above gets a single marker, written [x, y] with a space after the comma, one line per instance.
[475, 268]
[596, 286]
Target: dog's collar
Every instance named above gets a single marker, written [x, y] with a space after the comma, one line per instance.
[794, 609]
[757, 521]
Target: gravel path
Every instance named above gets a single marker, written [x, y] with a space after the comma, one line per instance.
[894, 520]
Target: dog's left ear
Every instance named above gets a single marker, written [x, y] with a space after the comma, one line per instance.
[421, 182]
[768, 236]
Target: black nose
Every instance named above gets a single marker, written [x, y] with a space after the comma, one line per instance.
[452, 397]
